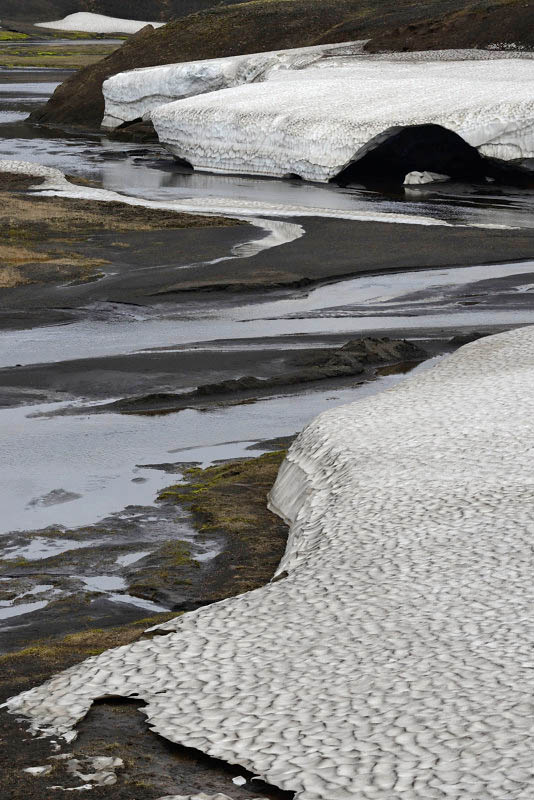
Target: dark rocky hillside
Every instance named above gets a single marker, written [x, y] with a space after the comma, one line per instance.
[157, 10]
[271, 24]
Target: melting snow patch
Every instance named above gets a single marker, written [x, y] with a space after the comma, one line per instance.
[130, 95]
[201, 796]
[312, 122]
[97, 23]
[45, 770]
[415, 178]
[394, 658]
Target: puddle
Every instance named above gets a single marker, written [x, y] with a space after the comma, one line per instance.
[22, 608]
[111, 586]
[139, 602]
[40, 548]
[102, 583]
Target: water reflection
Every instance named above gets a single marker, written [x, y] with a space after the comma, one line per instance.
[149, 171]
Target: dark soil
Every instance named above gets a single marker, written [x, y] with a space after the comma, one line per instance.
[264, 25]
[508, 23]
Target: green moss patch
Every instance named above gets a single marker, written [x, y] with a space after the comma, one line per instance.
[231, 499]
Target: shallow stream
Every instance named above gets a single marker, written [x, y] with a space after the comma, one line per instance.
[75, 470]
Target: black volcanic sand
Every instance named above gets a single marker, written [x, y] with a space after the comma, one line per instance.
[176, 259]
[283, 371]
[212, 376]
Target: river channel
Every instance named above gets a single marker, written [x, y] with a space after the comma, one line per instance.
[76, 470]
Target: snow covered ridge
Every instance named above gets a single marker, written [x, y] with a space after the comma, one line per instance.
[313, 122]
[395, 659]
[97, 23]
[130, 95]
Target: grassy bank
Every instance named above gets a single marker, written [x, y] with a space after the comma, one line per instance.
[48, 54]
[231, 499]
[39, 235]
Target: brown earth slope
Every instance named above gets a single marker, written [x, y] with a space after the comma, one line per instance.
[508, 24]
[262, 25]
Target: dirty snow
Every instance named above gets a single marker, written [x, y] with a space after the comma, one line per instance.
[130, 95]
[312, 122]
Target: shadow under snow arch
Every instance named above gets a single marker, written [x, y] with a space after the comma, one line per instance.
[395, 659]
[391, 155]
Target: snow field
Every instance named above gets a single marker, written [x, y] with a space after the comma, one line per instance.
[395, 659]
[313, 122]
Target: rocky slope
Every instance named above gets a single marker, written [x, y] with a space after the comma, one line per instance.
[260, 25]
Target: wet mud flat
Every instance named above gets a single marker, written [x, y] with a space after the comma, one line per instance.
[251, 541]
[44, 239]
[194, 546]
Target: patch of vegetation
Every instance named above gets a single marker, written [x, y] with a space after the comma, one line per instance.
[169, 567]
[231, 499]
[43, 658]
[178, 553]
[12, 36]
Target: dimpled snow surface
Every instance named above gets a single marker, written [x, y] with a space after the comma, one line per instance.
[312, 121]
[393, 657]
[130, 95]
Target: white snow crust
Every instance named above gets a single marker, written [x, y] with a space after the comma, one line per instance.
[312, 122]
[395, 659]
[97, 23]
[130, 95]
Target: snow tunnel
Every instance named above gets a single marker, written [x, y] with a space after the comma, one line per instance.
[399, 150]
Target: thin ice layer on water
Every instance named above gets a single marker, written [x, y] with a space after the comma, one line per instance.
[312, 122]
[395, 658]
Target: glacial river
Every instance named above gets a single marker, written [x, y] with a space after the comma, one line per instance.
[91, 465]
